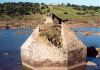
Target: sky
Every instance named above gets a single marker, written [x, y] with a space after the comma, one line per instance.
[78, 2]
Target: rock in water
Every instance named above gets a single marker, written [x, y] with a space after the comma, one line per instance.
[91, 63]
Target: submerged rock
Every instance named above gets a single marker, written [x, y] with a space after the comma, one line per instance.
[91, 63]
[6, 53]
[18, 63]
[1, 34]
[92, 52]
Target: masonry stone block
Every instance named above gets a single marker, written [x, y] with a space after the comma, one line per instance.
[48, 20]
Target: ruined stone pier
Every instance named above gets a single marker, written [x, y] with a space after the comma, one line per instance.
[40, 54]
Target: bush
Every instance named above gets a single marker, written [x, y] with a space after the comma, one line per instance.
[78, 13]
[87, 12]
[41, 12]
[16, 14]
[48, 11]
[93, 13]
[96, 10]
[44, 12]
[53, 7]
[65, 13]
[81, 13]
[42, 7]
[90, 12]
[99, 12]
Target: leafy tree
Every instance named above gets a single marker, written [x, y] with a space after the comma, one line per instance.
[43, 7]
[68, 4]
[15, 9]
[73, 5]
[42, 4]
[62, 4]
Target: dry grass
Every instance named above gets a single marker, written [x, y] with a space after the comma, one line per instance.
[52, 33]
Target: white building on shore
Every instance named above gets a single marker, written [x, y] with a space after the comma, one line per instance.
[54, 4]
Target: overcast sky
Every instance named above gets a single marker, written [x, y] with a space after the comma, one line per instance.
[78, 2]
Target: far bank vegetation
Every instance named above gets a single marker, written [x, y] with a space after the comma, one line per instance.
[19, 10]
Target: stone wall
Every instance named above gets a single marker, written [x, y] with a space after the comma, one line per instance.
[76, 50]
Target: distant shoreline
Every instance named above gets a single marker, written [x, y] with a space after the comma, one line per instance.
[33, 23]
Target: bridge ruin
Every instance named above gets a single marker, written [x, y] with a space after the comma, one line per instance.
[39, 53]
[50, 18]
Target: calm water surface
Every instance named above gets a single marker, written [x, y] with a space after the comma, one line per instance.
[91, 40]
[11, 43]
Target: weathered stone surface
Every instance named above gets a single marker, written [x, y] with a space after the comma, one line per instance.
[48, 20]
[75, 49]
[38, 53]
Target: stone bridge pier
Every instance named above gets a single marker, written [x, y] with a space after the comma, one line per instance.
[39, 54]
[50, 18]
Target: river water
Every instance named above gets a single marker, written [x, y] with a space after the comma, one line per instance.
[11, 43]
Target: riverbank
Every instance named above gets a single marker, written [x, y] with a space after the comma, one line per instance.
[33, 23]
[83, 23]
[19, 23]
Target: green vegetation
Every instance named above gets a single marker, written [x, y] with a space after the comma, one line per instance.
[81, 13]
[52, 33]
[21, 9]
[75, 12]
[35, 10]
[54, 38]
[44, 9]
[60, 46]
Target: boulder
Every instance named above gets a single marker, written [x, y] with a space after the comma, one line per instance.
[91, 63]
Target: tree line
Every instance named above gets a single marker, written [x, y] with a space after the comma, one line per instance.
[88, 9]
[82, 7]
[21, 8]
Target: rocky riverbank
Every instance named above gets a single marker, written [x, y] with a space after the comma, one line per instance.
[86, 33]
[19, 23]
[84, 23]
[32, 23]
